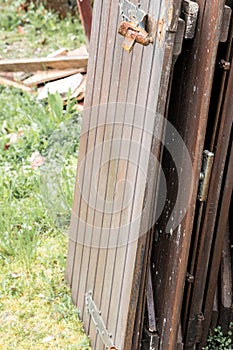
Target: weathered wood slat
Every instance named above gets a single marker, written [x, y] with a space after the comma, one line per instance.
[109, 237]
[34, 64]
[221, 233]
[11, 83]
[85, 11]
[106, 259]
[62, 86]
[226, 312]
[48, 75]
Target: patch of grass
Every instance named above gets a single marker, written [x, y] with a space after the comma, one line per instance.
[36, 311]
[38, 157]
[35, 32]
[220, 341]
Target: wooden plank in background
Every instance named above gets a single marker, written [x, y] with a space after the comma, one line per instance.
[59, 52]
[85, 11]
[34, 64]
[62, 86]
[48, 75]
[11, 83]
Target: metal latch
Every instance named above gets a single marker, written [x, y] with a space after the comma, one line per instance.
[133, 26]
[98, 322]
[207, 163]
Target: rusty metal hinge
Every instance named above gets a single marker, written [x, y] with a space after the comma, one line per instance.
[225, 24]
[98, 322]
[132, 28]
[195, 329]
[207, 163]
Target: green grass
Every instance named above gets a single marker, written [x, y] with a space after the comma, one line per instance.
[36, 311]
[218, 340]
[36, 32]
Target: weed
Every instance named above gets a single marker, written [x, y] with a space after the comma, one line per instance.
[220, 341]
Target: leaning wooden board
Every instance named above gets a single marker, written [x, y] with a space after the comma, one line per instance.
[189, 107]
[117, 171]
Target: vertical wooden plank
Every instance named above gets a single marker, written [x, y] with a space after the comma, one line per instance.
[111, 93]
[226, 312]
[93, 161]
[221, 232]
[92, 63]
[85, 11]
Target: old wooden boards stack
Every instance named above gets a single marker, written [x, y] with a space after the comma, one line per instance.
[154, 176]
[201, 110]
[113, 210]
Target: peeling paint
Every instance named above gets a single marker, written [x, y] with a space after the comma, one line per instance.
[160, 29]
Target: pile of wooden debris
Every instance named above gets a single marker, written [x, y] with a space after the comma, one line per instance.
[62, 71]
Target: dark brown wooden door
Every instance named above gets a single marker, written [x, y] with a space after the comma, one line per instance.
[211, 215]
[188, 112]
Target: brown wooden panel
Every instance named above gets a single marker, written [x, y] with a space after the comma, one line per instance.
[34, 64]
[85, 11]
[189, 105]
[112, 209]
[211, 207]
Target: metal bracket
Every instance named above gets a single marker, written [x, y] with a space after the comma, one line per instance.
[190, 11]
[207, 163]
[195, 333]
[132, 13]
[98, 322]
[225, 24]
[150, 340]
[150, 304]
[179, 36]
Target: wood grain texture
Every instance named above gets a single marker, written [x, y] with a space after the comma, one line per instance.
[113, 207]
[189, 107]
[14, 84]
[48, 75]
[34, 64]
